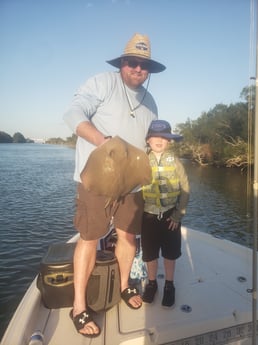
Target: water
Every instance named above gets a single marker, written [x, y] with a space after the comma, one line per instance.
[37, 206]
[219, 203]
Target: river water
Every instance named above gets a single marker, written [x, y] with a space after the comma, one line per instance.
[37, 205]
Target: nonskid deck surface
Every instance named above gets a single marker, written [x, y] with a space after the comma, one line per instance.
[213, 283]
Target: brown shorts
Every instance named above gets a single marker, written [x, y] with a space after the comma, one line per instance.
[92, 219]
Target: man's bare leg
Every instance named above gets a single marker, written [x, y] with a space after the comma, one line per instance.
[125, 253]
[84, 261]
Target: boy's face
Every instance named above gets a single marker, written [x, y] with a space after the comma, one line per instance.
[158, 144]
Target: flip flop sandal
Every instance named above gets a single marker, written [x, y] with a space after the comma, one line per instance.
[81, 320]
[129, 293]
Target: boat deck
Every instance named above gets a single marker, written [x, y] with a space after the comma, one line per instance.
[213, 304]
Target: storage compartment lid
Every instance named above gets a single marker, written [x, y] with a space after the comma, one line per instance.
[59, 253]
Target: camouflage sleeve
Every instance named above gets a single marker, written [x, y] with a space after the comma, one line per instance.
[183, 198]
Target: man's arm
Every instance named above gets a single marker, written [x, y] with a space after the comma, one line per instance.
[89, 132]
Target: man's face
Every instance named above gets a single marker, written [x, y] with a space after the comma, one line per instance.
[134, 71]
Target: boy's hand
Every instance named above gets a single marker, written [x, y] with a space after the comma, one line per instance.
[172, 224]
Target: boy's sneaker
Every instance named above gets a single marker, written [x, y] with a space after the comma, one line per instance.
[169, 295]
[149, 292]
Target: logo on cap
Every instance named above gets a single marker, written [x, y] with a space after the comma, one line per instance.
[141, 46]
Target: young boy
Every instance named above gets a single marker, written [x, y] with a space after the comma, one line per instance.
[166, 199]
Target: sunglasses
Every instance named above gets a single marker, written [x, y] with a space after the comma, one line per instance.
[133, 63]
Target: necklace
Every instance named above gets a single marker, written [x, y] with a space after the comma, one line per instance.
[132, 109]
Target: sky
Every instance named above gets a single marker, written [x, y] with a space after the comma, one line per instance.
[50, 47]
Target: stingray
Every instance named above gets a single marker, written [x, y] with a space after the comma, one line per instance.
[115, 168]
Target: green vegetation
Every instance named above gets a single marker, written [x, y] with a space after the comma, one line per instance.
[220, 136]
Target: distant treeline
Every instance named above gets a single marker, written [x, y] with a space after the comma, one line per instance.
[16, 138]
[19, 138]
[69, 141]
[219, 137]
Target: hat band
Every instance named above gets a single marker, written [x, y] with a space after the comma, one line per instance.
[164, 131]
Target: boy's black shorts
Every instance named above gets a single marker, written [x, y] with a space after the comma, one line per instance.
[156, 236]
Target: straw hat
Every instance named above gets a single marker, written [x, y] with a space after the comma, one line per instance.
[139, 46]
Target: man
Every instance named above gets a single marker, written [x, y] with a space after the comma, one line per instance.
[110, 104]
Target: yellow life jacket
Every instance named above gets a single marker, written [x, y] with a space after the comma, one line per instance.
[165, 187]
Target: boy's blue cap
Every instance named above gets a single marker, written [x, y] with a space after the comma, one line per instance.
[162, 129]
